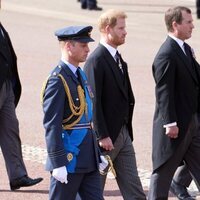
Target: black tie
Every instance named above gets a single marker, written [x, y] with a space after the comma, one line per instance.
[190, 58]
[79, 77]
[188, 52]
[119, 63]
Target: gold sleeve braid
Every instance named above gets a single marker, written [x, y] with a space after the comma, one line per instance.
[76, 110]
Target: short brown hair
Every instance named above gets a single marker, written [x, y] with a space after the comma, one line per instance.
[175, 14]
[109, 18]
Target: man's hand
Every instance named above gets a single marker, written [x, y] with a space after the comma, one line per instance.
[172, 131]
[106, 143]
[60, 174]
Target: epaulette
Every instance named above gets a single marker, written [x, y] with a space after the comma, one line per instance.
[56, 71]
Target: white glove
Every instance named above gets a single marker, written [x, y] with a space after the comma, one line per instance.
[60, 174]
[103, 164]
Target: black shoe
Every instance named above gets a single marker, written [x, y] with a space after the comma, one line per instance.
[83, 6]
[198, 13]
[24, 181]
[180, 191]
[95, 8]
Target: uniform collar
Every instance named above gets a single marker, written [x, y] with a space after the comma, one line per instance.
[71, 67]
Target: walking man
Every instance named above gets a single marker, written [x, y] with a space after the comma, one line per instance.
[176, 135]
[73, 156]
[10, 92]
[113, 102]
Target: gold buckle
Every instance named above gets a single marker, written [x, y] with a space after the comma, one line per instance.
[69, 156]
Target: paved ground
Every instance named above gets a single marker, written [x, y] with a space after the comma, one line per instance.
[31, 25]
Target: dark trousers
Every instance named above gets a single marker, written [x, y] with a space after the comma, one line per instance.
[88, 186]
[9, 134]
[182, 176]
[189, 151]
[198, 4]
[124, 162]
[88, 3]
[198, 8]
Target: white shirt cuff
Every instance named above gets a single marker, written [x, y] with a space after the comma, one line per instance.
[170, 124]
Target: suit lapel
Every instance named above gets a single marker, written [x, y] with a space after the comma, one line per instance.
[7, 41]
[184, 58]
[112, 64]
[3, 39]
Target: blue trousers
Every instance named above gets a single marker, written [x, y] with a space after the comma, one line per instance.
[88, 186]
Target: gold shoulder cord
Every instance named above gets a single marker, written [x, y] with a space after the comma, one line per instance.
[76, 110]
[43, 89]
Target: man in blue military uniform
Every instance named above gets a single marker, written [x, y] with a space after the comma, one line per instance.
[73, 157]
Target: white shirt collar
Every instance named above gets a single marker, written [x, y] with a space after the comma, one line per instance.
[179, 42]
[111, 49]
[71, 67]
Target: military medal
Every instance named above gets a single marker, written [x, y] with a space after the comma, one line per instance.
[90, 91]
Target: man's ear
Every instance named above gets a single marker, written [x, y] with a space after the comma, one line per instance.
[107, 29]
[174, 26]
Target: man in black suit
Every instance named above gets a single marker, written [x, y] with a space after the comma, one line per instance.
[10, 91]
[114, 102]
[198, 8]
[176, 135]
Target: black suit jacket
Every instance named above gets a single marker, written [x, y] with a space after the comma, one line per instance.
[177, 97]
[113, 99]
[9, 60]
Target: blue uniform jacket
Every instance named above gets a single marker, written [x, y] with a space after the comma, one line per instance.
[81, 143]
